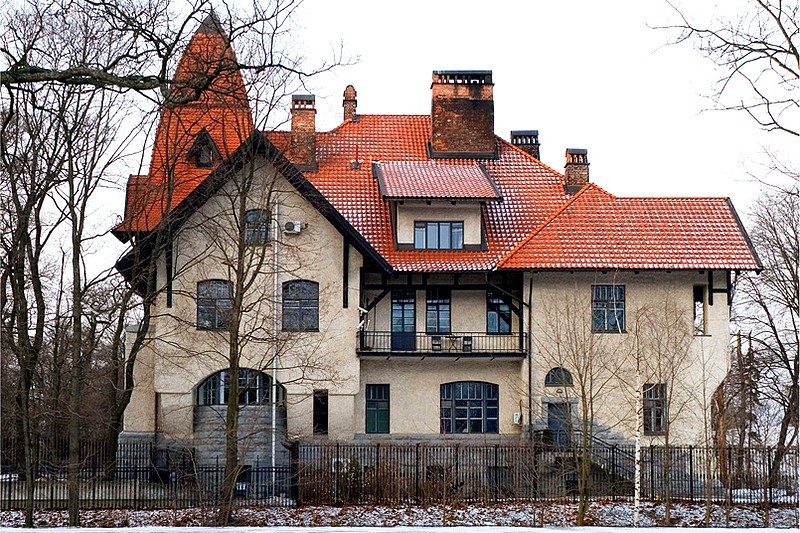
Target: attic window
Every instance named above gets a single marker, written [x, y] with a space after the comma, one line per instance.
[203, 152]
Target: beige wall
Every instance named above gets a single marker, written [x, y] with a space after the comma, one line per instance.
[184, 355]
[414, 394]
[409, 212]
[562, 298]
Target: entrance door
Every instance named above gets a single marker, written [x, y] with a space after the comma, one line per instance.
[403, 321]
[559, 423]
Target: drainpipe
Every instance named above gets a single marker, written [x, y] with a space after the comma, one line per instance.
[275, 296]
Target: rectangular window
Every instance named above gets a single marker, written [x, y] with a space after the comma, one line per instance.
[654, 401]
[498, 314]
[469, 407]
[320, 412]
[213, 304]
[699, 309]
[438, 235]
[377, 409]
[608, 308]
[437, 313]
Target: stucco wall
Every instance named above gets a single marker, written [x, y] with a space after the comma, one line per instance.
[414, 392]
[409, 212]
[184, 356]
[565, 298]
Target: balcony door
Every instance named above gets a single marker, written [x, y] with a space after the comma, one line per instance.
[403, 321]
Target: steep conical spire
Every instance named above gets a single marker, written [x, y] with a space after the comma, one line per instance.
[211, 25]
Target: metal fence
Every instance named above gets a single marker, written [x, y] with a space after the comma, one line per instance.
[136, 475]
[387, 473]
[143, 475]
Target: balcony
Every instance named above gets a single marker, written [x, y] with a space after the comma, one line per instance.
[456, 344]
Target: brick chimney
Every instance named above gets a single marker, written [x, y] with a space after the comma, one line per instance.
[349, 103]
[303, 148]
[462, 114]
[576, 170]
[527, 141]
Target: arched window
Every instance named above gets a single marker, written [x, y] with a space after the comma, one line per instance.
[254, 388]
[301, 306]
[469, 407]
[213, 304]
[558, 377]
[256, 227]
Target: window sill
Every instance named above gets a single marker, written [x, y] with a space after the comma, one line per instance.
[199, 328]
[703, 335]
[506, 334]
[293, 330]
[611, 331]
[654, 433]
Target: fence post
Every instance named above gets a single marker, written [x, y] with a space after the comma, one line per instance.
[614, 472]
[336, 477]
[294, 472]
[691, 473]
[416, 476]
[378, 476]
[652, 472]
[496, 472]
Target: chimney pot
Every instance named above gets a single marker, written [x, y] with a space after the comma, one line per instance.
[576, 170]
[462, 114]
[349, 103]
[303, 147]
[527, 141]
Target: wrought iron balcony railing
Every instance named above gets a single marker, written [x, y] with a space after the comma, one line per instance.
[455, 344]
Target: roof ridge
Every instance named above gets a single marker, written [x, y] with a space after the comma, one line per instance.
[550, 219]
[529, 156]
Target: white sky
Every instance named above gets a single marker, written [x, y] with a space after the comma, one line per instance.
[586, 74]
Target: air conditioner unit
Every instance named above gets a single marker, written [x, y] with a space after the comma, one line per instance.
[292, 227]
[338, 466]
[517, 418]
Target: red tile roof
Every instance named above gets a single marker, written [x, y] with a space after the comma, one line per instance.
[533, 225]
[222, 110]
[596, 230]
[434, 179]
[530, 190]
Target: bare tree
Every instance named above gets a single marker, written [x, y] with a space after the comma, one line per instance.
[663, 335]
[566, 340]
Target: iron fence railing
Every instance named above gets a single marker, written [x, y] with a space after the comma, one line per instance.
[142, 475]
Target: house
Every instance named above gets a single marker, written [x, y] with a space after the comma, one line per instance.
[413, 277]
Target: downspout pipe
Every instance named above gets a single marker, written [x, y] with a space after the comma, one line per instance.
[275, 300]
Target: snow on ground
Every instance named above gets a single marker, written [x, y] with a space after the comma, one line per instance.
[503, 515]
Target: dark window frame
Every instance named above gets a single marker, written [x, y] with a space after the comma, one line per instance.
[377, 402]
[300, 312]
[255, 388]
[257, 227]
[499, 306]
[654, 408]
[210, 301]
[699, 311]
[558, 377]
[320, 412]
[469, 407]
[429, 234]
[438, 312]
[608, 308]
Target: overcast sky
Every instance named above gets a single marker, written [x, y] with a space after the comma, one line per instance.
[586, 74]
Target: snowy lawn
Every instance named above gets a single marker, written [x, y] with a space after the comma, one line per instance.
[398, 529]
[411, 518]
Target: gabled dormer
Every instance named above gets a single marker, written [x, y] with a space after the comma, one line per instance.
[203, 152]
[436, 206]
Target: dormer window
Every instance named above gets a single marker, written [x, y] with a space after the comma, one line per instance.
[438, 235]
[203, 152]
